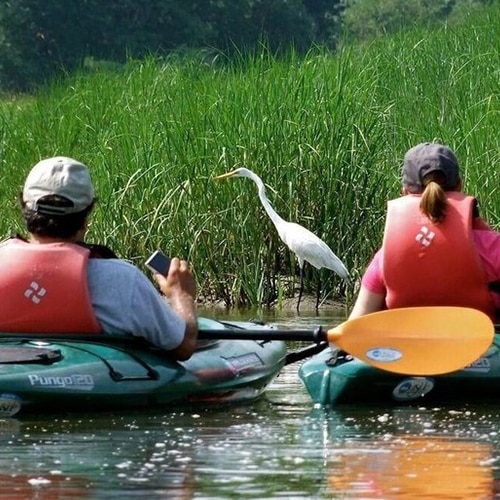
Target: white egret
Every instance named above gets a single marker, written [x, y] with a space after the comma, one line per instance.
[306, 245]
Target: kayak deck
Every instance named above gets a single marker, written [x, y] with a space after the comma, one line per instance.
[99, 372]
[333, 378]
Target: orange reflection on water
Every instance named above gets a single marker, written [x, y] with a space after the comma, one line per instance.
[411, 467]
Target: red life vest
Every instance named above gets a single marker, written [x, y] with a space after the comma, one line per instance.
[44, 289]
[426, 264]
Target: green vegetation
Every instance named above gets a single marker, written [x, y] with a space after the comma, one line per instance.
[39, 39]
[367, 19]
[325, 132]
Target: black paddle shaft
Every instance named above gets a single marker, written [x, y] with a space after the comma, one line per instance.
[315, 335]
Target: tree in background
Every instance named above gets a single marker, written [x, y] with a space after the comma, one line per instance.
[327, 17]
[38, 38]
[366, 19]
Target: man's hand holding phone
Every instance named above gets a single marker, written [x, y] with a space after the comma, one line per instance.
[158, 263]
[172, 275]
[179, 287]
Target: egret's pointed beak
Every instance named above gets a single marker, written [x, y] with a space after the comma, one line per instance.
[225, 176]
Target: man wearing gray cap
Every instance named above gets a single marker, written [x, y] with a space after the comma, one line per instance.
[51, 283]
[436, 250]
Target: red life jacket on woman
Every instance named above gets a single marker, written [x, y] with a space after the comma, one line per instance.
[44, 289]
[426, 264]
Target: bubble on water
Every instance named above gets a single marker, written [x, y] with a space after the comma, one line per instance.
[124, 465]
[39, 481]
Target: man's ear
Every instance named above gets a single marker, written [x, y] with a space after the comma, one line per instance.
[80, 235]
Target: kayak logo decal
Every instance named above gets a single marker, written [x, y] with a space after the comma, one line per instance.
[80, 382]
[412, 388]
[384, 354]
[480, 365]
[239, 363]
[35, 292]
[10, 404]
[425, 236]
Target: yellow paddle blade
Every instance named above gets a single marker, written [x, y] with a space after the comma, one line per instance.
[417, 340]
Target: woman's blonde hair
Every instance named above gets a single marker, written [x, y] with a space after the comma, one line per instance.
[434, 203]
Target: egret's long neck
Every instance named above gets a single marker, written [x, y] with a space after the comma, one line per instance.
[265, 202]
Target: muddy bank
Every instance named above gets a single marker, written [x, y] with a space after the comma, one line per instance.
[287, 307]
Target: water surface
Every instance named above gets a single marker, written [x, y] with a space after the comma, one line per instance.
[280, 446]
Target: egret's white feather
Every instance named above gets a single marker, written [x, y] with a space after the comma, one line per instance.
[302, 242]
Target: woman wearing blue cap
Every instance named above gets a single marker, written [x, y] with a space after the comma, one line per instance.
[436, 250]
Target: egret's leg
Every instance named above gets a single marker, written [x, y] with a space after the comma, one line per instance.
[318, 291]
[301, 286]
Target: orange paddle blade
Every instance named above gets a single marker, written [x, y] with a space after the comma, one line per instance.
[417, 340]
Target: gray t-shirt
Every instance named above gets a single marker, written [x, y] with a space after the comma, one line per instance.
[125, 301]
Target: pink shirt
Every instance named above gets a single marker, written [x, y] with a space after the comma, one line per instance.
[488, 246]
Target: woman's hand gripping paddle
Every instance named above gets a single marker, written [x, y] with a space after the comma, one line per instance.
[416, 340]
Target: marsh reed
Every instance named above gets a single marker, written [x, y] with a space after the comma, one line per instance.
[326, 133]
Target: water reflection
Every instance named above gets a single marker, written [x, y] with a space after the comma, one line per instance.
[407, 453]
[412, 467]
[324, 316]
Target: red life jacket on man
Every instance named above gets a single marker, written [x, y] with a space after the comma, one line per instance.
[426, 264]
[44, 289]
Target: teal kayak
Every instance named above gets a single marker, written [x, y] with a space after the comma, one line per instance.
[335, 378]
[87, 373]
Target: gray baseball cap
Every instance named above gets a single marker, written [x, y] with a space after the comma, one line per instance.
[59, 176]
[429, 157]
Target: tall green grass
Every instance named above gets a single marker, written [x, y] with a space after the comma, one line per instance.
[326, 133]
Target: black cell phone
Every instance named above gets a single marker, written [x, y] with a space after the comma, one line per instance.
[158, 263]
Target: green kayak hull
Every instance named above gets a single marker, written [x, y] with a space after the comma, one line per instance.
[333, 378]
[68, 373]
